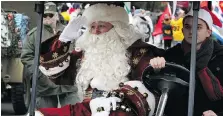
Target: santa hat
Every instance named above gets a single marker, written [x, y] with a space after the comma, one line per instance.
[206, 15]
[54, 56]
[106, 13]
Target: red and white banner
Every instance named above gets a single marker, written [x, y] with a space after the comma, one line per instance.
[158, 26]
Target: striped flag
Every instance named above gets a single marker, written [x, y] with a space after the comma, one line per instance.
[217, 10]
[221, 5]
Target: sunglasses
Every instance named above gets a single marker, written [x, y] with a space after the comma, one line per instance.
[167, 19]
[48, 15]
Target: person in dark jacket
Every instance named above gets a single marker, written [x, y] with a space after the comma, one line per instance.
[167, 32]
[208, 99]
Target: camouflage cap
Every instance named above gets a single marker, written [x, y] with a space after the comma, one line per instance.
[50, 7]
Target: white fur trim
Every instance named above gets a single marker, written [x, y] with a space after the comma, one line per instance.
[55, 70]
[107, 13]
[142, 89]
[204, 15]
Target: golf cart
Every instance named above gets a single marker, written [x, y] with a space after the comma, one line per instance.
[166, 81]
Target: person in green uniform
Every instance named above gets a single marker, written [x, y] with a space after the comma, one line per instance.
[49, 93]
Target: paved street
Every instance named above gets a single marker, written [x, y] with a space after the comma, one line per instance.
[6, 108]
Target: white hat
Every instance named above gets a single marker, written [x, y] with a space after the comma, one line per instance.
[207, 16]
[106, 13]
[54, 56]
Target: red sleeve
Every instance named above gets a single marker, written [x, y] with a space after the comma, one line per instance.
[79, 109]
[211, 84]
[63, 111]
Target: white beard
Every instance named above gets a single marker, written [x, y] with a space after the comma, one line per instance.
[106, 61]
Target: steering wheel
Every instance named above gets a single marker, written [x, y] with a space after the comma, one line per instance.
[173, 77]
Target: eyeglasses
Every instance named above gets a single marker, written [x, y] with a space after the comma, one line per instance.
[167, 19]
[48, 15]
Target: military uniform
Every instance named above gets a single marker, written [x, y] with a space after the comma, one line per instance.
[47, 90]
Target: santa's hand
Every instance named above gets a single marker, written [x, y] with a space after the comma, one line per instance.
[73, 30]
[102, 113]
[209, 113]
[158, 63]
[103, 104]
[113, 101]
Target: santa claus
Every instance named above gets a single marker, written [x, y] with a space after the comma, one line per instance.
[110, 55]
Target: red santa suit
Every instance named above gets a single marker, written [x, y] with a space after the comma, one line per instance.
[126, 63]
